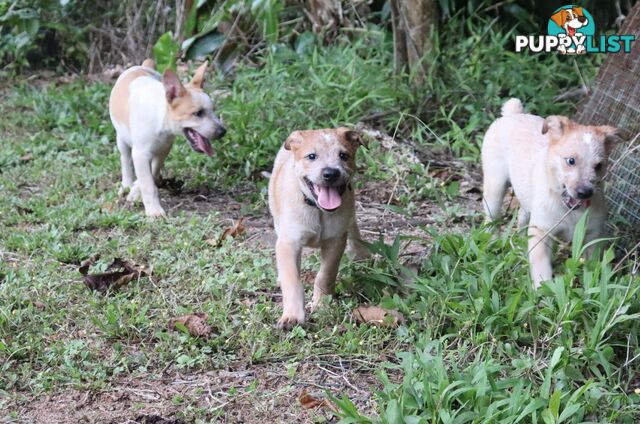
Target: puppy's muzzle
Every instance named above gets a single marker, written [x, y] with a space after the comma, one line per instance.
[330, 175]
[219, 132]
[584, 192]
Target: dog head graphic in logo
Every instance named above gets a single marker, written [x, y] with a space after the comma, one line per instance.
[575, 23]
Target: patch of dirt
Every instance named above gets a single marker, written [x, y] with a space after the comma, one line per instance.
[259, 393]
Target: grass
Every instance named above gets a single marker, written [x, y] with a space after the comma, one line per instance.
[479, 344]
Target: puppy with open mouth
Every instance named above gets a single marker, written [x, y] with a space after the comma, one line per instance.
[555, 167]
[148, 110]
[312, 203]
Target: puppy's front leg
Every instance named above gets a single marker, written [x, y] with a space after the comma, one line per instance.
[330, 253]
[146, 185]
[288, 263]
[356, 250]
[539, 256]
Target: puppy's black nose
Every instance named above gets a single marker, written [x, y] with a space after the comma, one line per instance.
[220, 132]
[581, 19]
[330, 175]
[584, 192]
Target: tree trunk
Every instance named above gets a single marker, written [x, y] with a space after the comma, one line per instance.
[412, 21]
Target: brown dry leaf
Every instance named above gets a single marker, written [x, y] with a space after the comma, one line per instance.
[26, 157]
[444, 174]
[110, 280]
[234, 231]
[195, 323]
[309, 402]
[378, 316]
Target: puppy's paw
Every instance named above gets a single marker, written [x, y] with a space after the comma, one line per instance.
[134, 195]
[123, 191]
[562, 49]
[318, 300]
[357, 252]
[581, 50]
[290, 320]
[155, 212]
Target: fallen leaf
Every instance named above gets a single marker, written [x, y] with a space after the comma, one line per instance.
[23, 211]
[444, 174]
[235, 230]
[196, 324]
[26, 157]
[309, 402]
[378, 316]
[110, 280]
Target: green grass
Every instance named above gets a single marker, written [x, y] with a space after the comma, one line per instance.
[479, 344]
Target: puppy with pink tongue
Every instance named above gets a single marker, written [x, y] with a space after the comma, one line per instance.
[148, 110]
[312, 203]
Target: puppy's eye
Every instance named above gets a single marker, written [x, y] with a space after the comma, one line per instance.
[571, 161]
[598, 167]
[344, 156]
[312, 156]
[200, 113]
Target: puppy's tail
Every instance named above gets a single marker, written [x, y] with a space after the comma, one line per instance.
[149, 63]
[511, 107]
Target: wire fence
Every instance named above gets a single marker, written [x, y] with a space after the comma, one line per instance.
[615, 100]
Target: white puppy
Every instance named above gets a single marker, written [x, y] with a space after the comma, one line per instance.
[148, 110]
[312, 204]
[555, 167]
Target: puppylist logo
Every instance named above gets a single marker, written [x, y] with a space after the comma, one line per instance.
[571, 30]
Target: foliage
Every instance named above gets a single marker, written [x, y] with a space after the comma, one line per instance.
[492, 349]
[41, 31]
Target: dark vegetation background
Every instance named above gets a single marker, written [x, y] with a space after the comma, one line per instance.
[87, 36]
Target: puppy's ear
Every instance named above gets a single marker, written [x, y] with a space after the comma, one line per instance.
[198, 78]
[352, 137]
[578, 11]
[149, 63]
[555, 125]
[172, 86]
[293, 141]
[611, 136]
[557, 18]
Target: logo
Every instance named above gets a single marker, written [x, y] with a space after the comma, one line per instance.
[572, 30]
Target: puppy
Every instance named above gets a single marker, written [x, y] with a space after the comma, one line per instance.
[148, 110]
[312, 203]
[570, 20]
[555, 167]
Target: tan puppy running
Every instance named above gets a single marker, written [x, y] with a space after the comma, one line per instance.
[148, 110]
[555, 167]
[312, 204]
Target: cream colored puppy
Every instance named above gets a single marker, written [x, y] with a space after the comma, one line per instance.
[148, 110]
[312, 204]
[555, 167]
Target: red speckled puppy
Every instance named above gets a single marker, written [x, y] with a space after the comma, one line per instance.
[312, 204]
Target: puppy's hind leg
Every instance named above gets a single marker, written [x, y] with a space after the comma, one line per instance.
[126, 164]
[495, 185]
[146, 185]
[356, 250]
[523, 218]
[156, 164]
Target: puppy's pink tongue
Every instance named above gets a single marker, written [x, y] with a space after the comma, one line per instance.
[328, 197]
[203, 144]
